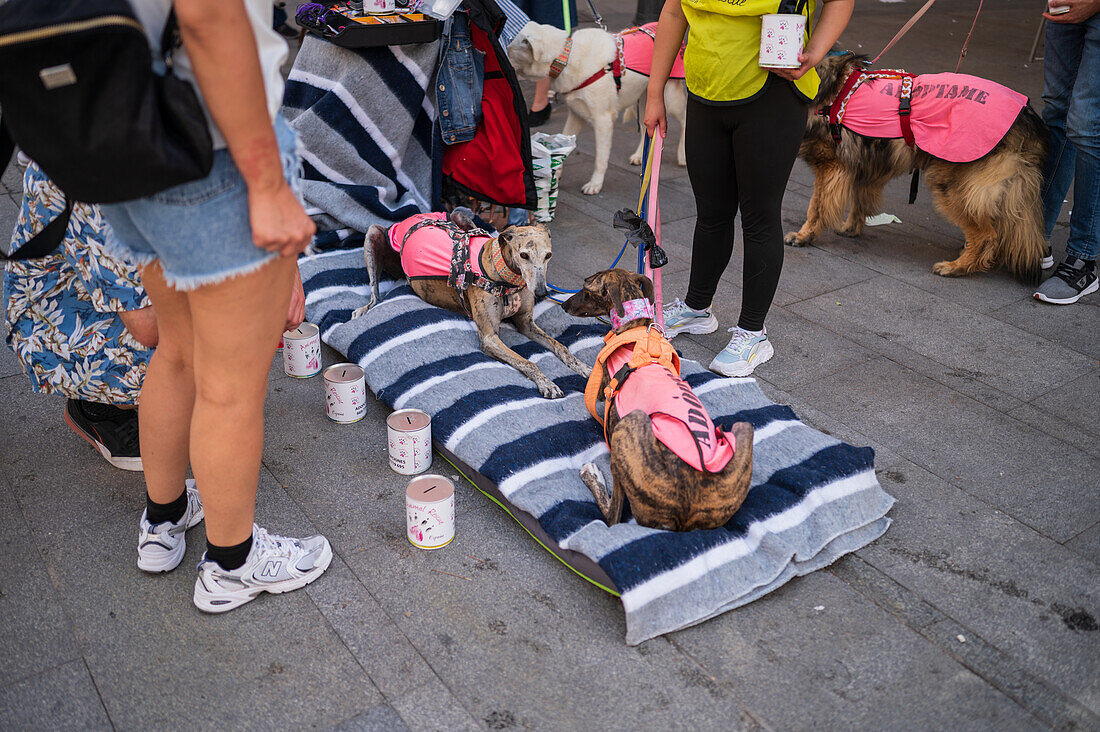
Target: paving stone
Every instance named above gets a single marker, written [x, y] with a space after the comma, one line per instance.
[278, 652]
[63, 697]
[382, 718]
[979, 346]
[1031, 598]
[75, 485]
[1072, 327]
[36, 633]
[394, 664]
[985, 452]
[1087, 543]
[841, 662]
[1061, 413]
[432, 708]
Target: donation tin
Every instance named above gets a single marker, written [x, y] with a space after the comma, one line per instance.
[430, 511]
[781, 36]
[345, 393]
[409, 433]
[302, 351]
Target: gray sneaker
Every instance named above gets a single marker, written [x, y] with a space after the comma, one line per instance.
[275, 564]
[161, 546]
[679, 318]
[1073, 279]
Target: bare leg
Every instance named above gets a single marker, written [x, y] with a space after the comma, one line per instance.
[235, 327]
[542, 95]
[168, 392]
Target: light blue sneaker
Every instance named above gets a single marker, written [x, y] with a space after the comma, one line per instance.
[746, 351]
[679, 318]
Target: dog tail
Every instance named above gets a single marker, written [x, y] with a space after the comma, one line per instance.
[1020, 225]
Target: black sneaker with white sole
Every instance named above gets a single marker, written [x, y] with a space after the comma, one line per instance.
[1073, 279]
[112, 431]
[1048, 259]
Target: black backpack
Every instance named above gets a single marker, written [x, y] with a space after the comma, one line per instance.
[80, 97]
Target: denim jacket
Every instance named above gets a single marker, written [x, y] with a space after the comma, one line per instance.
[459, 83]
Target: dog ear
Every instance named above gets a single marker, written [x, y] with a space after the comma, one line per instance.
[612, 287]
[647, 288]
[462, 220]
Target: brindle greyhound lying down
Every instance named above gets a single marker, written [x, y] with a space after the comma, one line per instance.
[676, 467]
[452, 264]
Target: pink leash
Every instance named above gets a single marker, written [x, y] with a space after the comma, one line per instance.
[653, 216]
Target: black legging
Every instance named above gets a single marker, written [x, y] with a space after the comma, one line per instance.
[741, 157]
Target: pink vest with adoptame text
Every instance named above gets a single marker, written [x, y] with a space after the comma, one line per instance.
[955, 117]
[680, 421]
[427, 253]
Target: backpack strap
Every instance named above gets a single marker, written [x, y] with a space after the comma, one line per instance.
[44, 242]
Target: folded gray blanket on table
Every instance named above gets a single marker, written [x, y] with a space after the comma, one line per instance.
[813, 498]
[364, 118]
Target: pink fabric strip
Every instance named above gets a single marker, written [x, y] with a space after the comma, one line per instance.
[632, 310]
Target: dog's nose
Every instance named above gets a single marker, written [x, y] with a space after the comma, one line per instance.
[540, 291]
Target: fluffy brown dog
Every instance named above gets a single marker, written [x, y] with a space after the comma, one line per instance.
[665, 492]
[995, 200]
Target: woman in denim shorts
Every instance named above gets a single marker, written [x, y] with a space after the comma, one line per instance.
[218, 262]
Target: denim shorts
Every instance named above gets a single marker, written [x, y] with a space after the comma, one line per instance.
[199, 231]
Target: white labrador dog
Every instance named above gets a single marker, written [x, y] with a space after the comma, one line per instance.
[597, 103]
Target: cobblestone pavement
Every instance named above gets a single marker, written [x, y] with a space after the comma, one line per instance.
[977, 609]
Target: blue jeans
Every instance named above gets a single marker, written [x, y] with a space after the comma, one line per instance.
[1071, 93]
[200, 232]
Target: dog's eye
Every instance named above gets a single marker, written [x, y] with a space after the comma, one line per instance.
[525, 255]
[548, 255]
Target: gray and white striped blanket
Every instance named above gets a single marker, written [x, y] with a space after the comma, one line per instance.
[364, 118]
[813, 498]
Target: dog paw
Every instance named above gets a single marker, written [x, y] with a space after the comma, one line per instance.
[850, 232]
[682, 161]
[550, 390]
[948, 269]
[359, 312]
[636, 159]
[592, 187]
[792, 239]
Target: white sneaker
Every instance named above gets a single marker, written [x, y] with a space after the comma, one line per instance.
[161, 546]
[275, 564]
[679, 318]
[746, 351]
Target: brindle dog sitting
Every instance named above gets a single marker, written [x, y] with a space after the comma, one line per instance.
[526, 250]
[664, 491]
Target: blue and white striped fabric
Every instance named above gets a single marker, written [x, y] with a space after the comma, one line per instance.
[813, 498]
[516, 21]
[363, 163]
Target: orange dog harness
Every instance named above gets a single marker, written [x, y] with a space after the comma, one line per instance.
[645, 357]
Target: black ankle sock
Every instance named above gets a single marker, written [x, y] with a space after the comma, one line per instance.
[229, 557]
[160, 512]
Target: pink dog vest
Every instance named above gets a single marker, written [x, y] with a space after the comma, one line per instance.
[680, 421]
[955, 117]
[432, 247]
[635, 51]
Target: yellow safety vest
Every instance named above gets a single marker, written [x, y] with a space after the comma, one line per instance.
[722, 56]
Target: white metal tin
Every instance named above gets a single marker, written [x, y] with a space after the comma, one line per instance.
[781, 37]
[409, 433]
[302, 351]
[345, 393]
[430, 511]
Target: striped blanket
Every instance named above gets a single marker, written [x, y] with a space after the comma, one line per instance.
[364, 118]
[812, 500]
